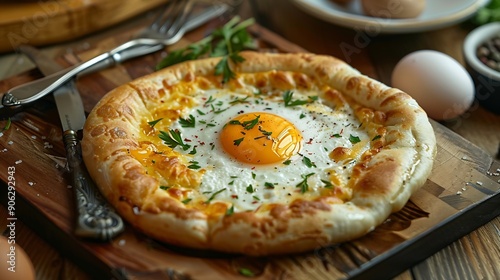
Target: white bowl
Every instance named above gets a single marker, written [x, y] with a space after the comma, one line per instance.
[487, 80]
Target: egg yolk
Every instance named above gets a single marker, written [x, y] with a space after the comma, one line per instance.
[260, 138]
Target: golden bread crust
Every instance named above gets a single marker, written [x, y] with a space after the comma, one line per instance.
[394, 167]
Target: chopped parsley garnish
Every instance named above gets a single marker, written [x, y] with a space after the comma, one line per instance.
[237, 142]
[303, 185]
[189, 122]
[308, 162]
[194, 165]
[253, 175]
[302, 115]
[153, 123]
[210, 100]
[336, 135]
[193, 151]
[165, 187]
[266, 133]
[354, 139]
[201, 113]
[269, 185]
[376, 137]
[187, 200]
[256, 197]
[173, 139]
[289, 102]
[239, 100]
[328, 184]
[287, 162]
[214, 195]
[250, 189]
[251, 123]
[218, 111]
[230, 210]
[207, 124]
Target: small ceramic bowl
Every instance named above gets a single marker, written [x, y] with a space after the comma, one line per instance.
[486, 79]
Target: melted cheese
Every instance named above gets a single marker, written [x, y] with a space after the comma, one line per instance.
[336, 137]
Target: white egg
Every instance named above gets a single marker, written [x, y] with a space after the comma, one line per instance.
[15, 263]
[439, 83]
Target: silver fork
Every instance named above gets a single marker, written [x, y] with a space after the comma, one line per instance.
[166, 30]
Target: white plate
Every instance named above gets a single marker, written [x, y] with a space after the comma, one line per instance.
[437, 14]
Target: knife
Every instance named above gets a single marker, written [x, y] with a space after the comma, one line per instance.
[96, 219]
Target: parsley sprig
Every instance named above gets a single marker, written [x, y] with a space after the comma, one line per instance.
[188, 122]
[173, 139]
[303, 185]
[226, 42]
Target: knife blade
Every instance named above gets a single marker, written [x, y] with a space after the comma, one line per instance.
[96, 219]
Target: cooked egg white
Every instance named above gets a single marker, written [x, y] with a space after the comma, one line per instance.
[251, 147]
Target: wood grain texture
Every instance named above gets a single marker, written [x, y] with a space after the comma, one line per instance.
[54, 21]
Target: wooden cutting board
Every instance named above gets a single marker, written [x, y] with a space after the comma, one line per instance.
[53, 21]
[461, 194]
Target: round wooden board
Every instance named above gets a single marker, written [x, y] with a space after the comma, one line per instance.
[53, 21]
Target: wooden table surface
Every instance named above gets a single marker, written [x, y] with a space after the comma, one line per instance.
[471, 257]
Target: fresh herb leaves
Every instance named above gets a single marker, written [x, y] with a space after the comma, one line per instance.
[308, 162]
[247, 125]
[173, 139]
[269, 185]
[354, 139]
[230, 211]
[189, 122]
[238, 141]
[194, 165]
[328, 184]
[226, 42]
[488, 13]
[153, 123]
[250, 189]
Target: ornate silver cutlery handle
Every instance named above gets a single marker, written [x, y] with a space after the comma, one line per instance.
[96, 219]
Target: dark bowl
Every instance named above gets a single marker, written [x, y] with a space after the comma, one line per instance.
[486, 79]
